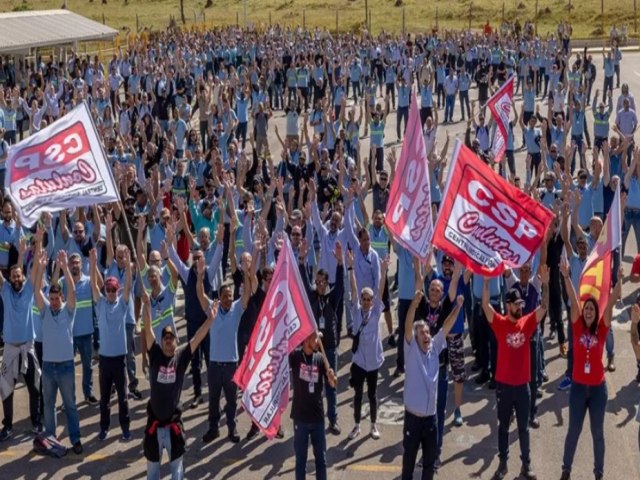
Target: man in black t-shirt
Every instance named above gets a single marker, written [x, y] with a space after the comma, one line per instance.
[167, 366]
[309, 369]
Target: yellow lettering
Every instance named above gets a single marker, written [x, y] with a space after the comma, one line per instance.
[591, 281]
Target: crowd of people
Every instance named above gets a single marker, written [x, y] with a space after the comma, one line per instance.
[211, 188]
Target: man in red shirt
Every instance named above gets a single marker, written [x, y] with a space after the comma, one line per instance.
[513, 373]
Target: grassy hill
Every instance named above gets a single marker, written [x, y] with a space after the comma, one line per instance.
[419, 15]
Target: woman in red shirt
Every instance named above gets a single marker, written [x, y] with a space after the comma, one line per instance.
[589, 388]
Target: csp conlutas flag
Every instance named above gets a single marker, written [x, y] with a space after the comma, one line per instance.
[61, 166]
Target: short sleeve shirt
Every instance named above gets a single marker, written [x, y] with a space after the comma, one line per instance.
[514, 357]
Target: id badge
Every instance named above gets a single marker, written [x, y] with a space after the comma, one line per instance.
[587, 368]
[321, 322]
[312, 387]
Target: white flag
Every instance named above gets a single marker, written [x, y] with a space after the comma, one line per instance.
[61, 166]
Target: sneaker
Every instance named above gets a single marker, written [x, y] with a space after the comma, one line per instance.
[197, 400]
[355, 432]
[565, 475]
[5, 434]
[233, 436]
[552, 335]
[102, 436]
[253, 431]
[91, 400]
[210, 436]
[564, 349]
[398, 372]
[334, 428]
[135, 393]
[375, 434]
[37, 429]
[534, 423]
[77, 448]
[545, 376]
[280, 433]
[527, 472]
[126, 435]
[611, 366]
[565, 384]
[539, 394]
[457, 418]
[392, 341]
[501, 472]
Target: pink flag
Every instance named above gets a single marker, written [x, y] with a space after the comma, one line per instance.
[408, 215]
[285, 320]
[500, 106]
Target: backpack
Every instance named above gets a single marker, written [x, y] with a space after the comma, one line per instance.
[49, 446]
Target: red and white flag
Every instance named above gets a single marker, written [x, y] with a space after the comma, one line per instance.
[500, 106]
[596, 280]
[285, 320]
[408, 215]
[485, 222]
[61, 166]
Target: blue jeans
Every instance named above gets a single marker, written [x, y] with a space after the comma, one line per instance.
[131, 357]
[301, 433]
[82, 344]
[631, 219]
[581, 399]
[330, 392]
[610, 344]
[153, 468]
[449, 101]
[60, 376]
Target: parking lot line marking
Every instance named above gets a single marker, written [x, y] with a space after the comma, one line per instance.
[374, 468]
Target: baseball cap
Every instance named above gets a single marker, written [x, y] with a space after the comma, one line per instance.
[168, 331]
[447, 258]
[513, 296]
[112, 282]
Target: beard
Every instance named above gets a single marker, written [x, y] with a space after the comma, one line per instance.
[517, 315]
[17, 285]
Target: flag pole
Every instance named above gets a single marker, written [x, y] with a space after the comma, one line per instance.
[327, 366]
[134, 253]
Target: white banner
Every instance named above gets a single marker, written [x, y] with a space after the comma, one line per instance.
[61, 166]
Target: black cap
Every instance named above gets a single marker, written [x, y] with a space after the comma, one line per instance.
[513, 296]
[447, 258]
[168, 331]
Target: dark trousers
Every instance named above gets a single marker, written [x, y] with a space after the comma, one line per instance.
[220, 375]
[510, 398]
[534, 384]
[37, 347]
[112, 371]
[555, 313]
[486, 340]
[419, 432]
[34, 397]
[358, 376]
[403, 308]
[202, 352]
[225, 251]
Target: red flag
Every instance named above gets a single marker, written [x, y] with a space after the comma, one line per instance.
[485, 222]
[500, 106]
[408, 215]
[285, 320]
[596, 279]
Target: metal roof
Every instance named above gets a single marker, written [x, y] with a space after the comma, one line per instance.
[20, 31]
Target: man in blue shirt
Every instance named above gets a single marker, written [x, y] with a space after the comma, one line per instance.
[58, 371]
[18, 333]
[111, 310]
[422, 351]
[223, 353]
